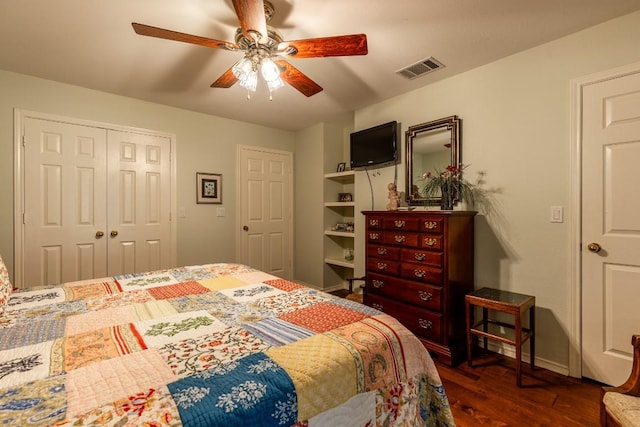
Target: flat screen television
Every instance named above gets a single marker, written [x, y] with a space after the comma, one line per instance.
[374, 146]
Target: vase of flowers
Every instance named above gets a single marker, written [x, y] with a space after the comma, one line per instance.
[449, 185]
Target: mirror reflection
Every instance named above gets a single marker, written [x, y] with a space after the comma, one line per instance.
[430, 147]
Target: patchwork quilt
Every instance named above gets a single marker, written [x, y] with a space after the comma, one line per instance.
[209, 345]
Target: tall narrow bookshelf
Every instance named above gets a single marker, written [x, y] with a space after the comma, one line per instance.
[339, 250]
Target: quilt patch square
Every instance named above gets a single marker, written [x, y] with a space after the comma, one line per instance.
[177, 290]
[283, 285]
[254, 391]
[222, 282]
[211, 351]
[93, 290]
[34, 403]
[144, 281]
[150, 408]
[31, 299]
[23, 364]
[34, 332]
[289, 301]
[251, 292]
[181, 326]
[323, 317]
[117, 300]
[91, 320]
[110, 380]
[81, 350]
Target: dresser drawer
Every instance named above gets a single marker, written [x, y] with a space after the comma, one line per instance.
[420, 294]
[434, 259]
[386, 252]
[423, 323]
[431, 241]
[431, 225]
[400, 238]
[409, 224]
[421, 273]
[378, 265]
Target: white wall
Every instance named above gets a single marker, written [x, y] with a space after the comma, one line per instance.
[516, 127]
[204, 144]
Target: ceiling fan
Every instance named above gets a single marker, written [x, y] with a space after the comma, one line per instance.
[264, 49]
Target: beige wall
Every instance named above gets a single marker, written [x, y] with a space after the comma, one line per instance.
[516, 128]
[204, 144]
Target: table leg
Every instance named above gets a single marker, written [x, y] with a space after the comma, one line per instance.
[467, 312]
[518, 333]
[485, 326]
[532, 339]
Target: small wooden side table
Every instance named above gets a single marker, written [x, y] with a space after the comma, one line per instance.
[487, 328]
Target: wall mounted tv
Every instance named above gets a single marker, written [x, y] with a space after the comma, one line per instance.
[374, 146]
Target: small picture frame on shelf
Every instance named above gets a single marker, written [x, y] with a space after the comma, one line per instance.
[341, 167]
[209, 188]
[345, 197]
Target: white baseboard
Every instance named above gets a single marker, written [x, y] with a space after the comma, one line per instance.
[510, 351]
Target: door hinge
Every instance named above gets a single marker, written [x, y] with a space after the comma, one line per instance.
[24, 218]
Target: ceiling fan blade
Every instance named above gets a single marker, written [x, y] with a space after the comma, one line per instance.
[353, 44]
[251, 16]
[226, 80]
[297, 79]
[161, 33]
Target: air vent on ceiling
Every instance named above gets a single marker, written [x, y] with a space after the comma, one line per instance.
[421, 68]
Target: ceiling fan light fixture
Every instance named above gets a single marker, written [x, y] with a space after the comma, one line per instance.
[269, 69]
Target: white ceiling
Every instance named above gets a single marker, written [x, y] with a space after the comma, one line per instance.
[91, 43]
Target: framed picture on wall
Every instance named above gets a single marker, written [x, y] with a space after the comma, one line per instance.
[209, 188]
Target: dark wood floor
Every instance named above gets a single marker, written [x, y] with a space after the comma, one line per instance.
[487, 395]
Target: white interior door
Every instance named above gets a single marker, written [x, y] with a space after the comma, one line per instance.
[266, 215]
[96, 202]
[64, 204]
[139, 234]
[611, 226]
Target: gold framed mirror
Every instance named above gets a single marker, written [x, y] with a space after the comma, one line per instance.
[430, 147]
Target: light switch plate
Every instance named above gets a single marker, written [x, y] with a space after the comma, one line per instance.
[557, 214]
[220, 211]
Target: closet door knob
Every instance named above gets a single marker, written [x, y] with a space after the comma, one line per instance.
[114, 233]
[99, 234]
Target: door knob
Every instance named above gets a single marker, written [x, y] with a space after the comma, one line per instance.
[99, 234]
[594, 247]
[114, 233]
[245, 228]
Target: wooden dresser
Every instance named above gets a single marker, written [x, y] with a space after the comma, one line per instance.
[419, 266]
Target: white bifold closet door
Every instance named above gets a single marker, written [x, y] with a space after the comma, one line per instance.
[96, 202]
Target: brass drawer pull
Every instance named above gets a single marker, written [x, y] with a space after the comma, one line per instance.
[400, 224]
[374, 236]
[400, 238]
[430, 241]
[419, 273]
[425, 296]
[382, 251]
[425, 324]
[374, 222]
[377, 306]
[419, 257]
[377, 283]
[382, 266]
[430, 225]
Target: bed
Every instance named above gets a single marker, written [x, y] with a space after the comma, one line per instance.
[208, 345]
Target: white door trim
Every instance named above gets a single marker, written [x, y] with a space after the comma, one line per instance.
[575, 311]
[239, 231]
[19, 117]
